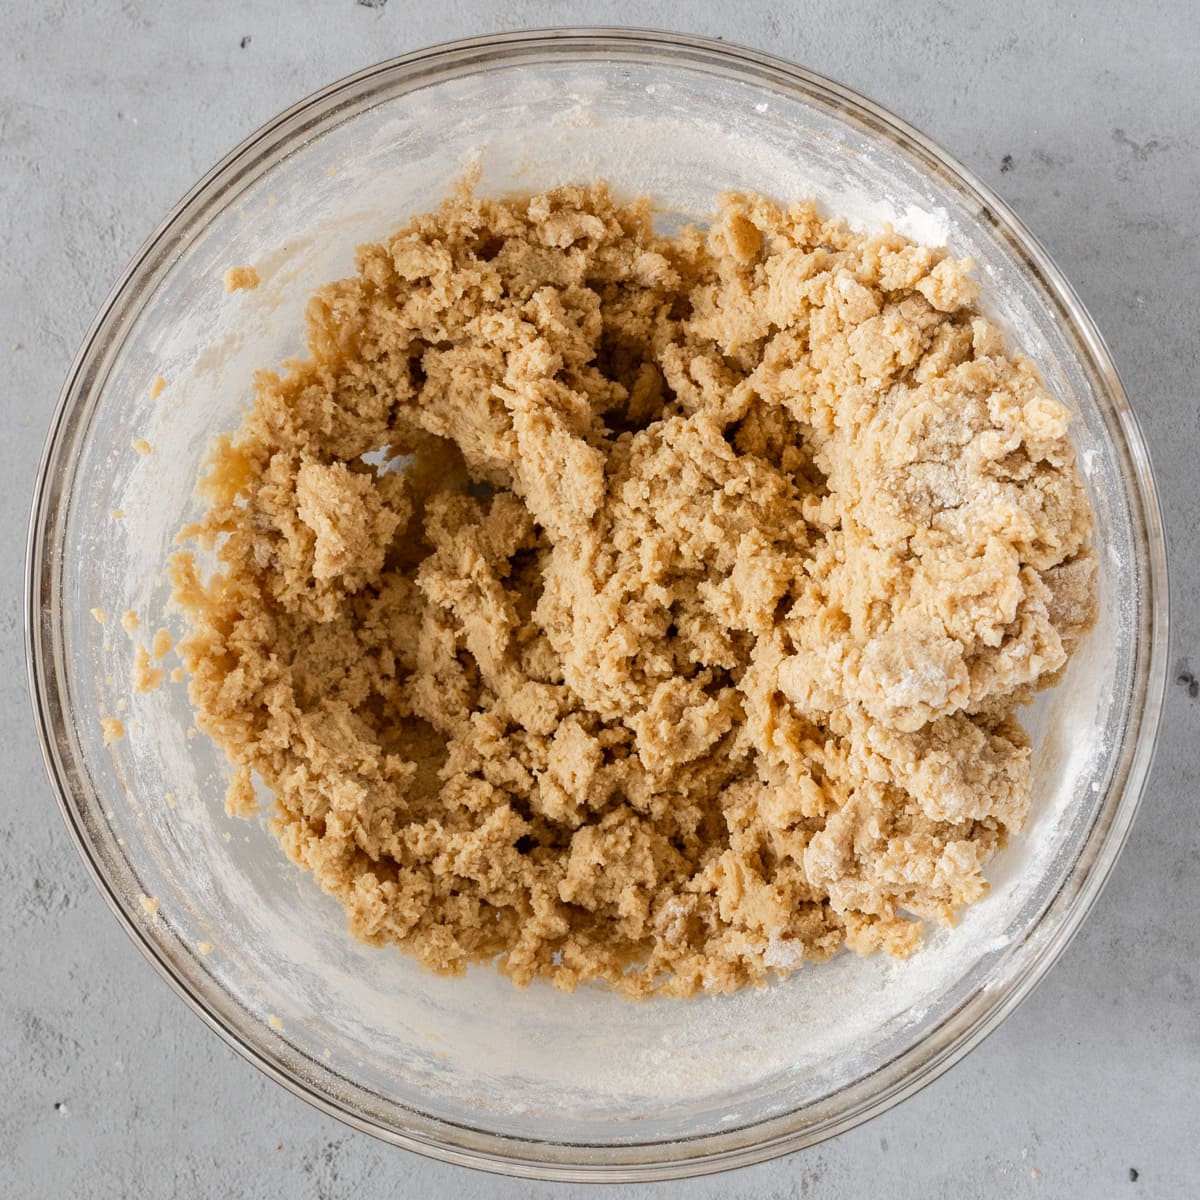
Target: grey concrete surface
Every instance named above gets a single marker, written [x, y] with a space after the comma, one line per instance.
[1084, 117]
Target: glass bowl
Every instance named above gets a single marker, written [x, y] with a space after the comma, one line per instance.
[473, 1071]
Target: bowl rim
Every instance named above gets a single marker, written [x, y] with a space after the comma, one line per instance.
[959, 1032]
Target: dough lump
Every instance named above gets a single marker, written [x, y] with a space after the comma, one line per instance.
[640, 609]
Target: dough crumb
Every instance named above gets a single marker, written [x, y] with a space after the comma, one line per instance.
[129, 621]
[204, 948]
[142, 446]
[169, 797]
[157, 387]
[114, 729]
[240, 800]
[635, 609]
[149, 904]
[145, 677]
[117, 514]
[98, 614]
[177, 674]
[161, 644]
[241, 279]
[274, 1021]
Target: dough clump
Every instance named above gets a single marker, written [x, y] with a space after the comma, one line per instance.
[640, 609]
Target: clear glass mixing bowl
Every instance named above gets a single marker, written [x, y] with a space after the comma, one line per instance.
[534, 1082]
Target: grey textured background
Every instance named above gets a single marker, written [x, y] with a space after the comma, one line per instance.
[1085, 118]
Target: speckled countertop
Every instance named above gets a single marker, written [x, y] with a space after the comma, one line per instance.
[1085, 118]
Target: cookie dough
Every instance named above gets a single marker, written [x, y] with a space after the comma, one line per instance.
[647, 610]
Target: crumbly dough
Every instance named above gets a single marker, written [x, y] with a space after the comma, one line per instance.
[145, 676]
[639, 609]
